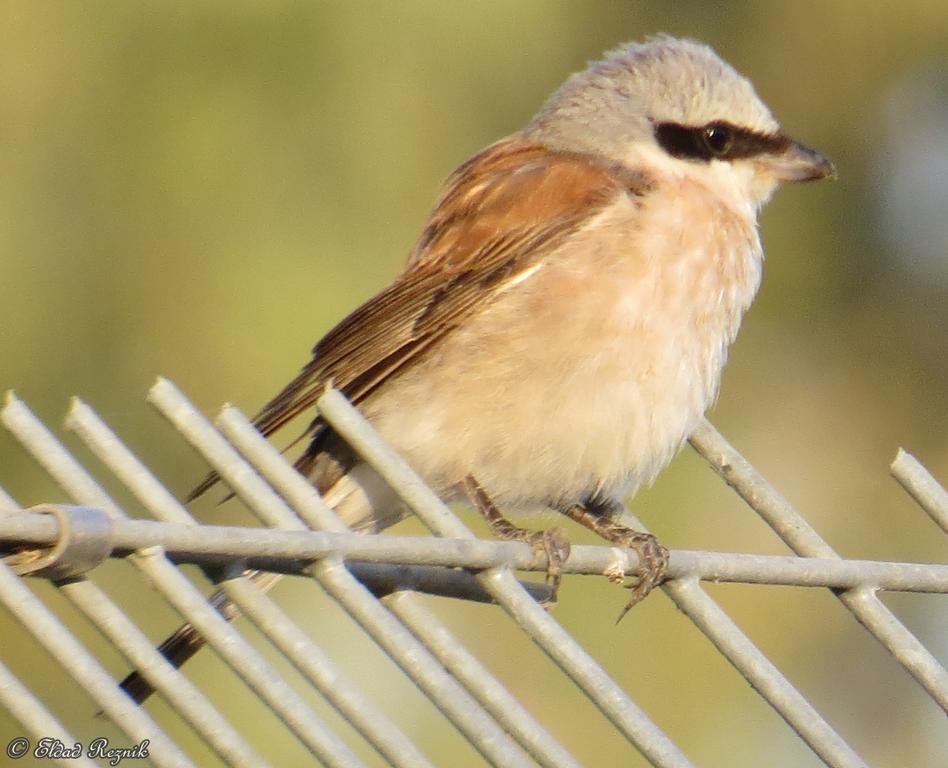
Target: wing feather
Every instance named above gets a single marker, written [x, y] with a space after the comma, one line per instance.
[501, 213]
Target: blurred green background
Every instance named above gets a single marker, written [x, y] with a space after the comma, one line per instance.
[201, 189]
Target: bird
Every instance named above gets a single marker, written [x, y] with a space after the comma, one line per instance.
[561, 325]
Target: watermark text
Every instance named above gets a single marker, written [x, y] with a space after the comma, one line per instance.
[49, 748]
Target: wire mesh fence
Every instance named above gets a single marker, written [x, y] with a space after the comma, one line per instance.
[378, 580]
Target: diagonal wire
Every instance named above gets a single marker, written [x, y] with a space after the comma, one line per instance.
[364, 716]
[415, 660]
[684, 589]
[559, 645]
[800, 536]
[922, 486]
[708, 616]
[184, 596]
[59, 641]
[481, 683]
[35, 718]
[756, 668]
[21, 702]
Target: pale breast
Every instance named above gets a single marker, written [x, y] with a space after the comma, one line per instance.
[588, 373]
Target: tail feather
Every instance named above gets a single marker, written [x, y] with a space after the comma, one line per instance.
[355, 492]
[185, 641]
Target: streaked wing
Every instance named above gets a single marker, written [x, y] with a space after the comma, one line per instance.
[502, 213]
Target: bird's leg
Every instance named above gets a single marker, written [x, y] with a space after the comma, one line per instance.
[552, 544]
[598, 515]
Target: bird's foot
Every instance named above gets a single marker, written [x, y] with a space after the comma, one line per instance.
[653, 563]
[552, 544]
[653, 557]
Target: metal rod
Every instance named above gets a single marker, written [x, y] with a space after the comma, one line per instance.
[386, 561]
[476, 677]
[385, 579]
[86, 670]
[17, 699]
[53, 635]
[407, 606]
[800, 536]
[222, 544]
[922, 487]
[414, 659]
[183, 595]
[139, 651]
[589, 676]
[20, 701]
[367, 719]
[756, 668]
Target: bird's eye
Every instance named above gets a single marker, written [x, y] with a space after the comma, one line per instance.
[718, 139]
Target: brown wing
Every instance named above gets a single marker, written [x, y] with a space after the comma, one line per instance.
[503, 211]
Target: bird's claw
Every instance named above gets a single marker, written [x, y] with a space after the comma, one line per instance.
[653, 564]
[552, 544]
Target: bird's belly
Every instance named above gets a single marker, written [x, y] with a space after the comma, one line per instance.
[587, 376]
[546, 405]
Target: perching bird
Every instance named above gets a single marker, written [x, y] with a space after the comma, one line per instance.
[561, 325]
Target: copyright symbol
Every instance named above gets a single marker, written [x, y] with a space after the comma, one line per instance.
[18, 747]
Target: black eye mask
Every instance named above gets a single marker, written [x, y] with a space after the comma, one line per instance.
[719, 140]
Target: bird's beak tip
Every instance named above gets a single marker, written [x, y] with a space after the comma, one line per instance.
[800, 163]
[826, 169]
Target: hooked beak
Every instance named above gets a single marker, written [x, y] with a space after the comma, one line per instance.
[799, 163]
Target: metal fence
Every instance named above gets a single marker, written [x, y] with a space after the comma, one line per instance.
[377, 580]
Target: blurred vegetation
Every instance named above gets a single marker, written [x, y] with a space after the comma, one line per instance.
[201, 189]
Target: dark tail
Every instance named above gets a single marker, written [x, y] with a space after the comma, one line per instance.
[326, 459]
[186, 641]
[177, 649]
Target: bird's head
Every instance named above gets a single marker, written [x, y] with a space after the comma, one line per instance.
[677, 108]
